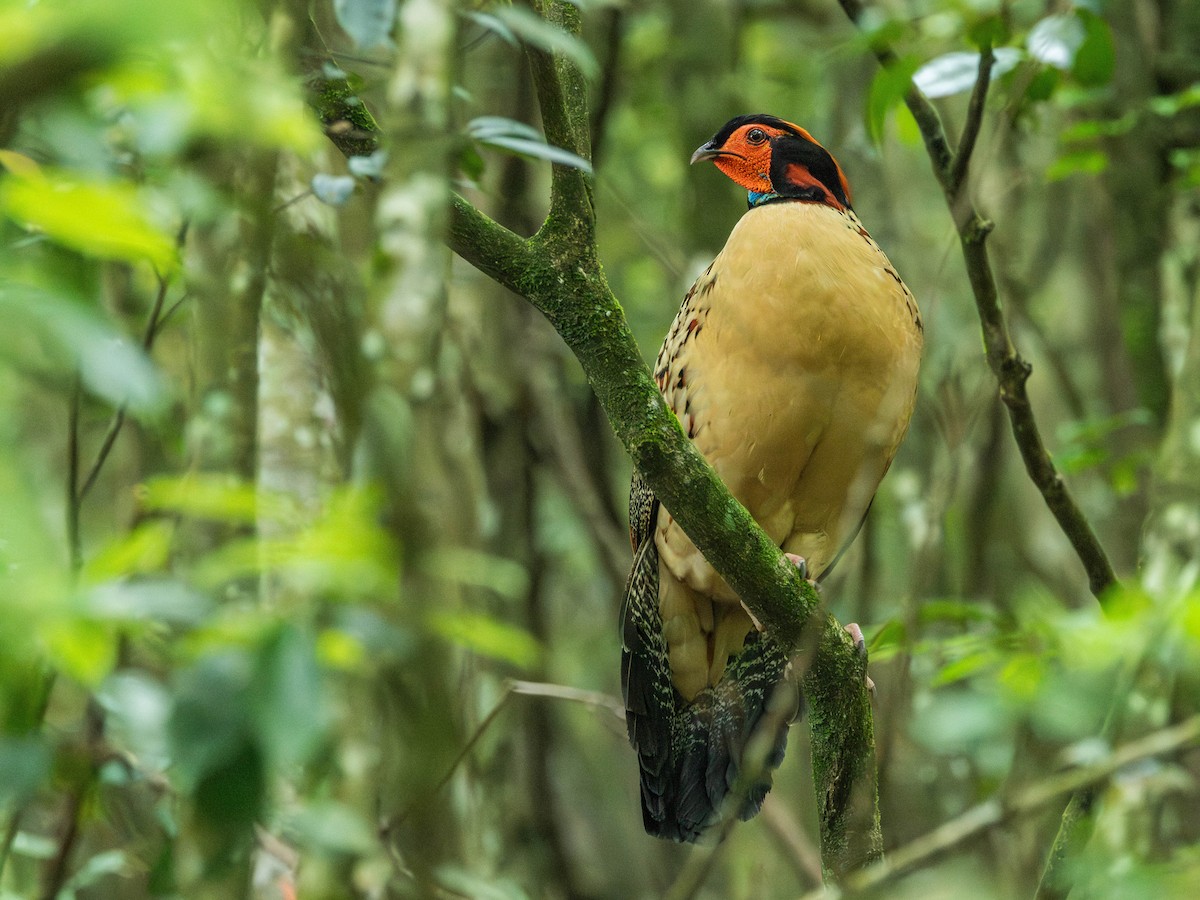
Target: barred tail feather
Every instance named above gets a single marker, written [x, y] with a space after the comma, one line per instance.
[692, 756]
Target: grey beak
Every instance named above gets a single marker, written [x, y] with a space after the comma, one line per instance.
[706, 151]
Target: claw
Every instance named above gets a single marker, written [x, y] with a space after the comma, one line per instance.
[800, 563]
[860, 644]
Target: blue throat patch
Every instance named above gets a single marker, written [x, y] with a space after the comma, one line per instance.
[757, 198]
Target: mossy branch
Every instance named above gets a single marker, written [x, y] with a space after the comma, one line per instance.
[558, 270]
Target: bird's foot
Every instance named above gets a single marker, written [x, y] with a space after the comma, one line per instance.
[802, 564]
[860, 644]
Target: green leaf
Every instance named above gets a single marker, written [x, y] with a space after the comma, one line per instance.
[1172, 104]
[103, 219]
[86, 650]
[990, 31]
[522, 139]
[1077, 162]
[965, 667]
[368, 22]
[887, 641]
[1042, 85]
[483, 127]
[490, 23]
[488, 637]
[24, 765]
[209, 723]
[285, 697]
[217, 497]
[532, 29]
[1097, 56]
[888, 88]
[540, 150]
[486, 570]
[332, 828]
[150, 600]
[48, 335]
[137, 709]
[1094, 128]
[146, 548]
[110, 862]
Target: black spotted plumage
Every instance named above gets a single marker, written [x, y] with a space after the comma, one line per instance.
[691, 755]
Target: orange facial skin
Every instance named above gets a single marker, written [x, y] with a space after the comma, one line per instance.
[802, 168]
[746, 156]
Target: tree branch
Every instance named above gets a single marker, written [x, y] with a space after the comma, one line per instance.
[559, 272]
[995, 812]
[1010, 369]
[966, 143]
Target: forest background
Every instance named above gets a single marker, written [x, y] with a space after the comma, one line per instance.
[313, 536]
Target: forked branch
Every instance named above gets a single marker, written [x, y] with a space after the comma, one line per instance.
[558, 271]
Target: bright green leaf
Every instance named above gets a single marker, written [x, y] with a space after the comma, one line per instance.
[217, 497]
[488, 637]
[965, 667]
[144, 549]
[103, 219]
[1097, 56]
[888, 88]
[85, 650]
[1078, 162]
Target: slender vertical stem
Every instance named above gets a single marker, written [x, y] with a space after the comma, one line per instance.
[74, 541]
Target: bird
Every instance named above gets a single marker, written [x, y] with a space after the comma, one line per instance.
[792, 365]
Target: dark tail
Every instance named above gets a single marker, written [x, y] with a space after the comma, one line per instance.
[694, 759]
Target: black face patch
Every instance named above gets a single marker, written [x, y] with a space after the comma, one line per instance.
[791, 149]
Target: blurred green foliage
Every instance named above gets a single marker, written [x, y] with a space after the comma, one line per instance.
[212, 668]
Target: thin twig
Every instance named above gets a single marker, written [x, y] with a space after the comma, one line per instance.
[149, 333]
[171, 311]
[74, 541]
[795, 844]
[995, 812]
[56, 872]
[593, 699]
[970, 132]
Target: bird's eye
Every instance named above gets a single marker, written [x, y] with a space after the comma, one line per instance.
[756, 135]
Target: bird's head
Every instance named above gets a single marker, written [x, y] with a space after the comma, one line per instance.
[774, 159]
